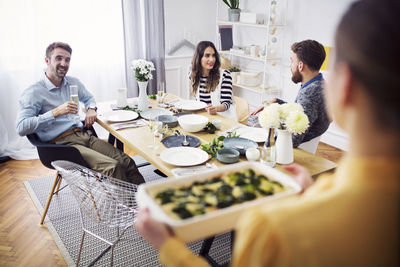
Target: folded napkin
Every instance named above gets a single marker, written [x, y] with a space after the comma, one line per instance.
[115, 107]
[231, 130]
[129, 124]
[193, 170]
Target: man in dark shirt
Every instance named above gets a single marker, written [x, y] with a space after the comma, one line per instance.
[306, 60]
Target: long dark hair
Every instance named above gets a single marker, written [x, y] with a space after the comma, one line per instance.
[213, 77]
[368, 40]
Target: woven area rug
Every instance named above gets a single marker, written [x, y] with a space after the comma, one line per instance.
[63, 222]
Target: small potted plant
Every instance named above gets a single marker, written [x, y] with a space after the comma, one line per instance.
[233, 11]
[234, 73]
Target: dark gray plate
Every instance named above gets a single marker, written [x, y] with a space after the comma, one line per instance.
[238, 143]
[170, 120]
[176, 140]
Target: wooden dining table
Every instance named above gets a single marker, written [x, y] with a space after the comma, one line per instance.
[140, 139]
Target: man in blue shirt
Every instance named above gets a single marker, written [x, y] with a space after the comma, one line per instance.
[47, 110]
[306, 60]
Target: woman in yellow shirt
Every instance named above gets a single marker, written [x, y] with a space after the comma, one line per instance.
[352, 217]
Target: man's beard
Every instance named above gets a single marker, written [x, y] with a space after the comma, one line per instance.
[297, 77]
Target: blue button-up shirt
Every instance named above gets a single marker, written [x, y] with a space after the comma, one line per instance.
[37, 102]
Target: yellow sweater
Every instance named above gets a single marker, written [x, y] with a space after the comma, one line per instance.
[350, 218]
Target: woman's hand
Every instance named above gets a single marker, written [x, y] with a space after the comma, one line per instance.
[301, 175]
[155, 232]
[212, 110]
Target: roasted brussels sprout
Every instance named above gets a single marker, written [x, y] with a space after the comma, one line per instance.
[249, 173]
[165, 196]
[182, 212]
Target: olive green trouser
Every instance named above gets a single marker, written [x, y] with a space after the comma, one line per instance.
[103, 157]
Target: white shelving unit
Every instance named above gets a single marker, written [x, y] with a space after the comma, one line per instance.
[268, 36]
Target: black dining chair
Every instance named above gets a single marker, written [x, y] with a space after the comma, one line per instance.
[52, 152]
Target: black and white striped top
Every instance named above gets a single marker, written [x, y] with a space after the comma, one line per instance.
[226, 90]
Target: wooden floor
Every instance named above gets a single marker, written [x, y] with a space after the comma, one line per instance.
[23, 242]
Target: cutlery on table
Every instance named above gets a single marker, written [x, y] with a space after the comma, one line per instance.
[185, 142]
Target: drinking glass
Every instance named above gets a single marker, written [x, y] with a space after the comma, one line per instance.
[155, 127]
[268, 156]
[73, 92]
[73, 97]
[161, 92]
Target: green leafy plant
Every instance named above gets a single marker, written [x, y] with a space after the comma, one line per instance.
[234, 134]
[234, 69]
[152, 96]
[232, 4]
[215, 145]
[128, 108]
[210, 128]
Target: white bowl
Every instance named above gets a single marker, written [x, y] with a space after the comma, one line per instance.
[193, 123]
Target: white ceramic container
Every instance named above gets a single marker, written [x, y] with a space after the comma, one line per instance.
[219, 221]
[193, 122]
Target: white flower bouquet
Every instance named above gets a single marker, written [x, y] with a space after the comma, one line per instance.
[143, 70]
[290, 117]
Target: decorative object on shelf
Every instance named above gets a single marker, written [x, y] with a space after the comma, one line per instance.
[226, 37]
[254, 18]
[286, 119]
[233, 11]
[249, 78]
[234, 73]
[254, 50]
[143, 74]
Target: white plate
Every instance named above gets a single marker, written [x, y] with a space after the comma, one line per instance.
[184, 156]
[120, 115]
[151, 114]
[257, 135]
[190, 105]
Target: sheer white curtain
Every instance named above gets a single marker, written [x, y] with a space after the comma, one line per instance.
[144, 39]
[94, 29]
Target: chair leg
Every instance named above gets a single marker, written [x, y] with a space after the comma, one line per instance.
[58, 185]
[56, 181]
[80, 248]
[112, 255]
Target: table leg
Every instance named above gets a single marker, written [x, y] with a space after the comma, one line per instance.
[112, 140]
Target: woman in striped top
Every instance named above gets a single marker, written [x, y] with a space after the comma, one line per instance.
[209, 84]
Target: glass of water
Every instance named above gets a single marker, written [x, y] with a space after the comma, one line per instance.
[268, 155]
[161, 92]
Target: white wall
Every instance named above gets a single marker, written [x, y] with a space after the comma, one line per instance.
[193, 17]
[313, 19]
[306, 19]
[190, 19]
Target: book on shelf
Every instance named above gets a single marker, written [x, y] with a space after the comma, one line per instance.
[225, 32]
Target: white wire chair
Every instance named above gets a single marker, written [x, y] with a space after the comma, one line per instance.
[102, 199]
